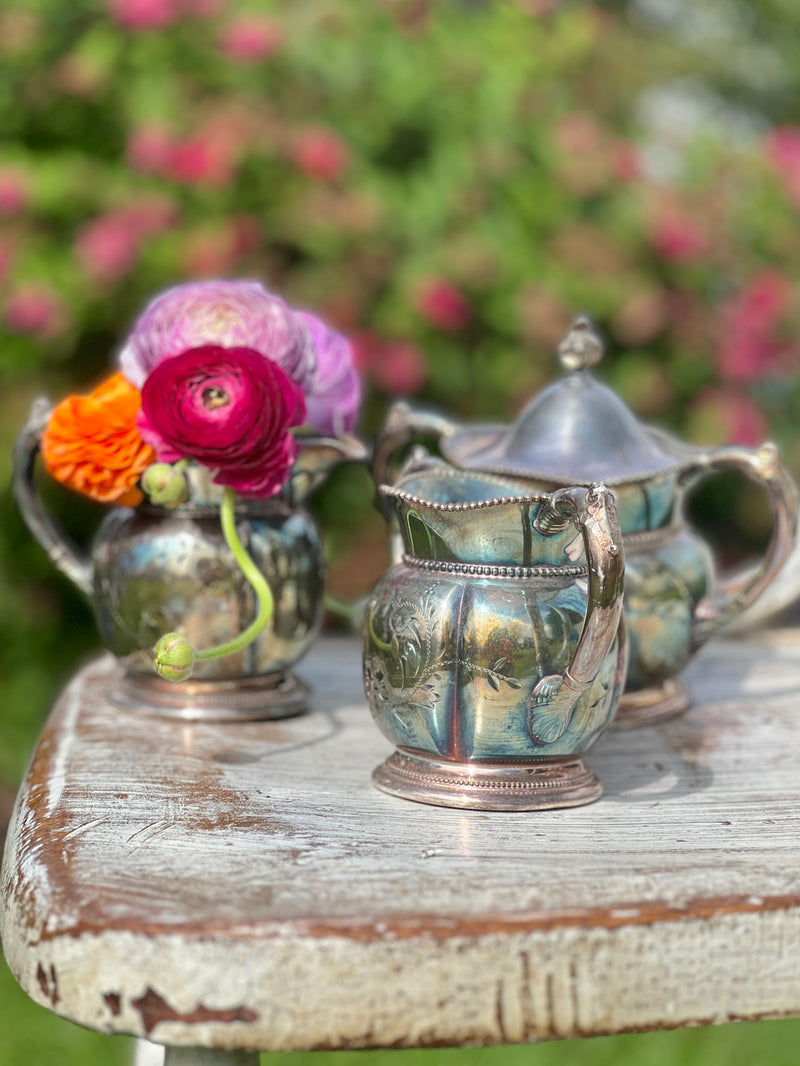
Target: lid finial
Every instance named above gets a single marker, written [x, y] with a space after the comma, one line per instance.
[581, 348]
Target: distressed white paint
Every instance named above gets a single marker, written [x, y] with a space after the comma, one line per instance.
[270, 898]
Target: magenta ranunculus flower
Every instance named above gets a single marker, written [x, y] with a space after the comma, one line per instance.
[333, 401]
[227, 408]
[229, 314]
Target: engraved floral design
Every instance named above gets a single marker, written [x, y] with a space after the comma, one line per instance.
[407, 653]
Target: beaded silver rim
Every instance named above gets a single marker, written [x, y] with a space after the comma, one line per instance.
[488, 570]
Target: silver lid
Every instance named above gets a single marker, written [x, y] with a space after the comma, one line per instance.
[575, 431]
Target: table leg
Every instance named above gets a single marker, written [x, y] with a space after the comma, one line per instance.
[147, 1054]
[201, 1056]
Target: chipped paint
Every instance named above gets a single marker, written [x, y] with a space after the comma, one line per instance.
[155, 1010]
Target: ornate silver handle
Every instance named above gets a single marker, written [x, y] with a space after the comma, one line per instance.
[402, 424]
[735, 594]
[317, 457]
[59, 548]
[554, 697]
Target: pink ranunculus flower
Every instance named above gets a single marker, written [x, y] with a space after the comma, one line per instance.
[228, 408]
[333, 402]
[230, 314]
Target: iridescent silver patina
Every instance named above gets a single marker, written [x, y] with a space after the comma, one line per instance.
[577, 431]
[493, 656]
[153, 571]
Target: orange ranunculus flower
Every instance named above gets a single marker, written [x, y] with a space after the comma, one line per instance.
[91, 443]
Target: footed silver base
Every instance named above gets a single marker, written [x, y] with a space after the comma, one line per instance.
[488, 786]
[648, 705]
[242, 699]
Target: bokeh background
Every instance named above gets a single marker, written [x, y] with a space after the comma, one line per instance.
[448, 183]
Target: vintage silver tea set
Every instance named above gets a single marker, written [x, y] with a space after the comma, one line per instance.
[544, 583]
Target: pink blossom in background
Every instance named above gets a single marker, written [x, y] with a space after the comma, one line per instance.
[199, 161]
[642, 314]
[13, 193]
[578, 133]
[217, 250]
[107, 247]
[725, 416]
[320, 154]
[151, 213]
[144, 14]
[35, 309]
[625, 163]
[585, 154]
[750, 345]
[397, 367]
[675, 234]
[443, 304]
[149, 148]
[249, 38]
[783, 152]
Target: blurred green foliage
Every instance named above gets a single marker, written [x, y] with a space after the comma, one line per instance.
[447, 183]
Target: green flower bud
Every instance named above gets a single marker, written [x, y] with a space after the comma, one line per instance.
[164, 485]
[174, 657]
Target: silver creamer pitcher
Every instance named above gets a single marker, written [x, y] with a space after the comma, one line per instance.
[493, 657]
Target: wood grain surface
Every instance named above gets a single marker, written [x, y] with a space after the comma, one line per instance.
[245, 886]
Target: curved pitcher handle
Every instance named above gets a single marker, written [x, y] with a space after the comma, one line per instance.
[592, 509]
[317, 457]
[402, 424]
[61, 551]
[735, 594]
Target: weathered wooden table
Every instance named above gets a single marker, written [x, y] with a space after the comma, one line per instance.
[245, 887]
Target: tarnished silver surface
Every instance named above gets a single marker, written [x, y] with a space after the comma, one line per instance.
[237, 699]
[576, 432]
[152, 571]
[497, 787]
[493, 658]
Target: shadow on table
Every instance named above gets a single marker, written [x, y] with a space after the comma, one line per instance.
[654, 762]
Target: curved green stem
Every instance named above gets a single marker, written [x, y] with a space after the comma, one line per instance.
[266, 600]
[350, 612]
